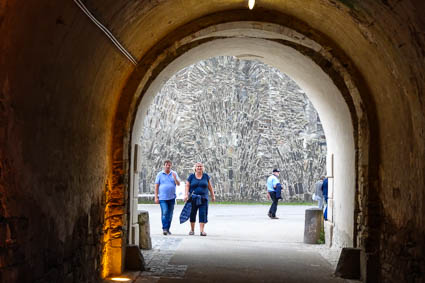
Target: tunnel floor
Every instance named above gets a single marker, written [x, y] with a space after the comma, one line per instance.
[243, 245]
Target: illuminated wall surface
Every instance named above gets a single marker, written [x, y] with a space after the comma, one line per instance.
[241, 118]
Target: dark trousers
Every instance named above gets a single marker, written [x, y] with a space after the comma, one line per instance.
[203, 211]
[273, 207]
[325, 214]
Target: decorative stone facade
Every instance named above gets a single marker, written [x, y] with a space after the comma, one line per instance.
[241, 118]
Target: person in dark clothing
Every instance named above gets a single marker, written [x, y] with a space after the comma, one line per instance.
[197, 186]
[325, 197]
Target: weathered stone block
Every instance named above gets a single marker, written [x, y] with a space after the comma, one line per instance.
[144, 231]
[115, 210]
[116, 243]
[313, 225]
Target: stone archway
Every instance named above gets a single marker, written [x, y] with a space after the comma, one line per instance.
[328, 83]
[69, 103]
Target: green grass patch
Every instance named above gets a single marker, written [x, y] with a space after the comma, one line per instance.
[260, 203]
[321, 239]
[144, 201]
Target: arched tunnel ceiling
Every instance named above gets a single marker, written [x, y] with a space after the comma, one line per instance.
[66, 101]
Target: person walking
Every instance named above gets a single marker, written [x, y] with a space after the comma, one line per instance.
[165, 194]
[318, 192]
[325, 197]
[272, 184]
[197, 186]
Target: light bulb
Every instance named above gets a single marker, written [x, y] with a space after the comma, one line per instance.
[251, 4]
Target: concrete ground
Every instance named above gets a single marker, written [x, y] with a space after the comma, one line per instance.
[243, 245]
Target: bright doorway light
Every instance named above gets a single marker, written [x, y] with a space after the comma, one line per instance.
[120, 279]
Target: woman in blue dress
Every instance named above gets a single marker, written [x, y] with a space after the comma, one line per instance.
[197, 186]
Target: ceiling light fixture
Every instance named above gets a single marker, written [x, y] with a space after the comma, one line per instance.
[251, 4]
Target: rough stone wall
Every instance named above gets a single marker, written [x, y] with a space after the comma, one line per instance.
[53, 143]
[241, 118]
[395, 205]
[49, 222]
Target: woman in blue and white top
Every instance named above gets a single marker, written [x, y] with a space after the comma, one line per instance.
[197, 186]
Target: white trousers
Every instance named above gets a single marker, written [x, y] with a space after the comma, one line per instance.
[321, 201]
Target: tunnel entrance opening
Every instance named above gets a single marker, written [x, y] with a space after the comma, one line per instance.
[326, 82]
[241, 118]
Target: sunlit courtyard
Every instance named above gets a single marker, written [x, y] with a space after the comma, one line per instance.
[243, 245]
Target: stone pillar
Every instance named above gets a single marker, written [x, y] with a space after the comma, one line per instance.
[145, 242]
[313, 225]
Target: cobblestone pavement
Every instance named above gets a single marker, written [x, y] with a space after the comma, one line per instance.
[238, 249]
[158, 258]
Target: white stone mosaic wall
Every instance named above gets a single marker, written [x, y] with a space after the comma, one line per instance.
[241, 119]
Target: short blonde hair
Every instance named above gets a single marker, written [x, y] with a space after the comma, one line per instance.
[194, 167]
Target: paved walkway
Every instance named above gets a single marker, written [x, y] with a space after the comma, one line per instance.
[243, 245]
